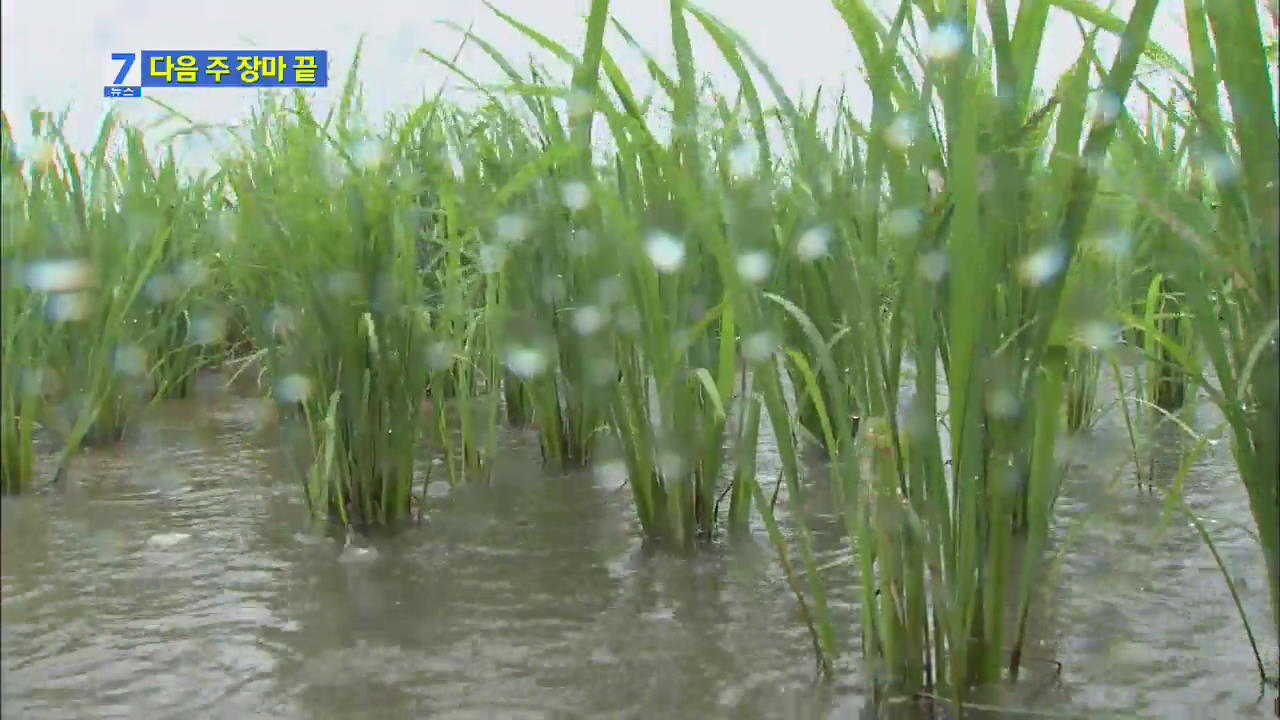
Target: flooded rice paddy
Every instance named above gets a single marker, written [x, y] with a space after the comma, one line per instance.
[178, 576]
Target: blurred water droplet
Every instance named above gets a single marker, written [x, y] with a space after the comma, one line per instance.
[901, 133]
[932, 265]
[342, 284]
[759, 346]
[602, 371]
[42, 153]
[1099, 334]
[1222, 168]
[64, 275]
[1107, 107]
[575, 194]
[937, 183]
[743, 159]
[208, 329]
[293, 388]
[917, 421]
[610, 474]
[553, 289]
[511, 227]
[1042, 265]
[665, 251]
[67, 307]
[813, 243]
[280, 321]
[37, 381]
[681, 341]
[754, 266]
[162, 288]
[588, 320]
[1114, 245]
[945, 41]
[130, 361]
[580, 104]
[1003, 403]
[367, 153]
[439, 356]
[904, 222]
[223, 226]
[193, 273]
[526, 362]
[492, 258]
[670, 464]
[580, 242]
[438, 489]
[610, 291]
[629, 320]
[986, 175]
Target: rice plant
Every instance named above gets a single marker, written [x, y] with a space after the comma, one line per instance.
[1224, 258]
[104, 271]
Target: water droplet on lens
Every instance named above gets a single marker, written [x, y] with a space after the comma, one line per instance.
[754, 266]
[575, 195]
[293, 388]
[1107, 108]
[208, 329]
[945, 41]
[512, 228]
[1222, 168]
[932, 265]
[1042, 265]
[492, 258]
[1115, 245]
[67, 307]
[610, 474]
[343, 283]
[901, 132]
[665, 251]
[526, 362]
[161, 288]
[813, 243]
[588, 320]
[1002, 403]
[130, 361]
[193, 273]
[757, 347]
[904, 222]
[439, 356]
[367, 153]
[54, 276]
[743, 159]
[581, 103]
[1099, 334]
[670, 465]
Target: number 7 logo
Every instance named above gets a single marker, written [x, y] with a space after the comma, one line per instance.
[124, 70]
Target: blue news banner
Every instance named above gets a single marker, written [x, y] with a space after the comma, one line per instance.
[220, 68]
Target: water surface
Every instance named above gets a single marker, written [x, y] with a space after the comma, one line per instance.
[179, 577]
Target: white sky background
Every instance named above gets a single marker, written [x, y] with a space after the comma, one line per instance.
[56, 53]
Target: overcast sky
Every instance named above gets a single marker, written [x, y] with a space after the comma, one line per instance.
[57, 52]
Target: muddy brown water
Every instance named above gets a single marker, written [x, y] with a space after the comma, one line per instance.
[178, 576]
